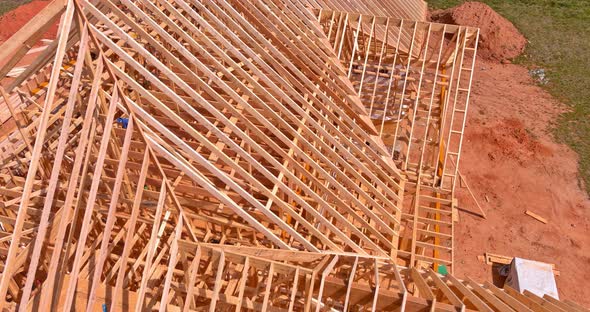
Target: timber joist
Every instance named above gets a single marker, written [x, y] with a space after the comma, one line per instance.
[411, 86]
[182, 155]
[411, 76]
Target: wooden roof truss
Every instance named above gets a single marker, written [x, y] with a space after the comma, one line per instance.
[224, 154]
[414, 79]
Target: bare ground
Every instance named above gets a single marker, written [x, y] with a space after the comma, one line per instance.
[510, 156]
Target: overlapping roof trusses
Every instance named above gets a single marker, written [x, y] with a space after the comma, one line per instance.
[226, 133]
[223, 154]
[413, 10]
[414, 79]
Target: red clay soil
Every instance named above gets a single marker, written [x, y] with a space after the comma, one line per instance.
[510, 157]
[513, 164]
[499, 39]
[14, 20]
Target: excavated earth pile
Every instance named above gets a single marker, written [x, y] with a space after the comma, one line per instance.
[509, 131]
[499, 40]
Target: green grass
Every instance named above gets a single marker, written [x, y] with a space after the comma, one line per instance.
[9, 5]
[559, 41]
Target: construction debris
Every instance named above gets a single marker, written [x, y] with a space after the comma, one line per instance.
[536, 216]
[481, 213]
[538, 74]
[534, 277]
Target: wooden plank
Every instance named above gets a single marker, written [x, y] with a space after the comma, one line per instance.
[33, 29]
[489, 297]
[36, 153]
[473, 299]
[531, 304]
[444, 288]
[509, 300]
[536, 216]
[542, 302]
[423, 288]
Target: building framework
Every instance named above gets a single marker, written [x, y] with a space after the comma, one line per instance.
[228, 154]
[414, 80]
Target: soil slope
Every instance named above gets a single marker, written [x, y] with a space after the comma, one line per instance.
[513, 164]
[510, 157]
[499, 40]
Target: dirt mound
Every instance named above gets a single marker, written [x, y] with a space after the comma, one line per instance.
[499, 40]
[513, 142]
[513, 164]
[14, 20]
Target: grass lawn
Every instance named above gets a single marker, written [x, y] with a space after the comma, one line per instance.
[9, 5]
[559, 36]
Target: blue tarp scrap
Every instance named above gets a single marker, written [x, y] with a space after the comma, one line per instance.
[123, 121]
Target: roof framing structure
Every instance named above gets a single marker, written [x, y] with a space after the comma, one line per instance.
[415, 10]
[414, 80]
[183, 155]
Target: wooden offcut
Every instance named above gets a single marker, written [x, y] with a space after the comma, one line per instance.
[536, 216]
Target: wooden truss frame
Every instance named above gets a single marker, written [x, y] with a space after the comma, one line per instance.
[415, 10]
[414, 79]
[215, 154]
